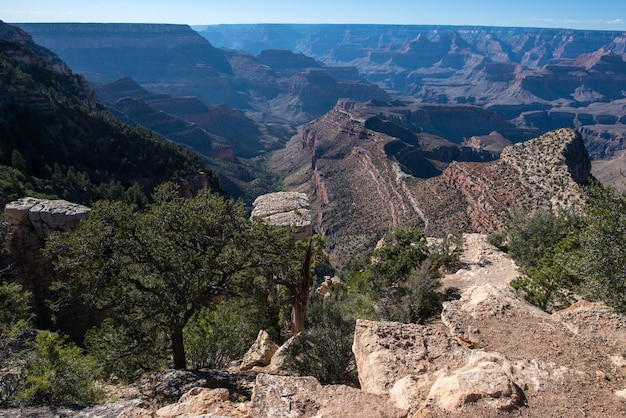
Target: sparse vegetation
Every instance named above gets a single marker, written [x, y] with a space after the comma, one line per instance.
[569, 255]
[324, 348]
[401, 276]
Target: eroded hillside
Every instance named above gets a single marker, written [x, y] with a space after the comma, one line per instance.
[360, 189]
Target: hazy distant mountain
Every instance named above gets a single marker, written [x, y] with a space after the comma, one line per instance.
[536, 78]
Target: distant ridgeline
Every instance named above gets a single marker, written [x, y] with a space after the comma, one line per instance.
[540, 79]
[537, 78]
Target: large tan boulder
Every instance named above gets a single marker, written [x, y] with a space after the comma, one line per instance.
[260, 353]
[487, 376]
[295, 397]
[202, 402]
[387, 352]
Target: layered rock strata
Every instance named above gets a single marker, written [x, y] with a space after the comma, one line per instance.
[288, 209]
[360, 189]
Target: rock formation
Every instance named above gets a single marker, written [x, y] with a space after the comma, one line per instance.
[493, 352]
[361, 177]
[294, 397]
[34, 219]
[260, 353]
[288, 209]
[544, 171]
[536, 78]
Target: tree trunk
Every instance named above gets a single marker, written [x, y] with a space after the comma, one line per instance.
[300, 305]
[298, 316]
[178, 348]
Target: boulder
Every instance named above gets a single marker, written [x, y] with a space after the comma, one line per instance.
[202, 402]
[280, 362]
[288, 209]
[260, 353]
[169, 385]
[387, 352]
[291, 397]
[487, 376]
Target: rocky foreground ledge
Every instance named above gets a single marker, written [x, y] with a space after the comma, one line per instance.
[490, 354]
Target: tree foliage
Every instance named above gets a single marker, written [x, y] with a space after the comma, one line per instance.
[324, 348]
[600, 261]
[215, 337]
[577, 255]
[161, 265]
[402, 275]
[15, 321]
[530, 234]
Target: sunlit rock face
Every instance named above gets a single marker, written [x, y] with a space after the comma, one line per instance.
[288, 209]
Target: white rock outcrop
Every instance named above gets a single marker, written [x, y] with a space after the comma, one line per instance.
[34, 219]
[45, 215]
[288, 209]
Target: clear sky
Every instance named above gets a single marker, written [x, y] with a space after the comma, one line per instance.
[575, 14]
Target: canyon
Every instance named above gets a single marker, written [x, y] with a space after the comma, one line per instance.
[536, 79]
[490, 121]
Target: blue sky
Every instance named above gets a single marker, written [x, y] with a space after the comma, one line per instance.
[576, 14]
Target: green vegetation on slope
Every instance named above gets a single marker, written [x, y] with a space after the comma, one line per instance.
[58, 142]
[571, 255]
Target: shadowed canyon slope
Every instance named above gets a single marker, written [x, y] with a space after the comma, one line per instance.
[176, 60]
[359, 178]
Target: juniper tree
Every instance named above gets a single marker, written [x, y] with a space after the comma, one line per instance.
[159, 265]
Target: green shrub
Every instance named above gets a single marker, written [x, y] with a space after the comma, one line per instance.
[15, 322]
[530, 234]
[497, 239]
[15, 311]
[124, 351]
[401, 277]
[324, 349]
[416, 298]
[216, 336]
[550, 285]
[58, 374]
[600, 260]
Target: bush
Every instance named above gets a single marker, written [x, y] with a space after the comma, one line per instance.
[324, 349]
[215, 337]
[15, 322]
[58, 374]
[15, 311]
[122, 352]
[550, 286]
[530, 234]
[401, 277]
[415, 299]
[600, 261]
[571, 255]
